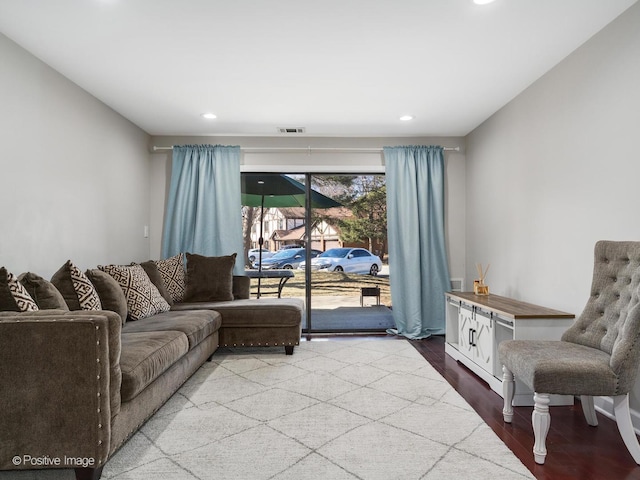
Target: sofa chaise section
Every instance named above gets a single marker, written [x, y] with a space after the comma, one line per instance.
[260, 322]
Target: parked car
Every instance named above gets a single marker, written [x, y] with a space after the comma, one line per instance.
[254, 254]
[351, 260]
[287, 258]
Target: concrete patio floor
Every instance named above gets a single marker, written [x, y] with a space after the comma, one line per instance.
[339, 313]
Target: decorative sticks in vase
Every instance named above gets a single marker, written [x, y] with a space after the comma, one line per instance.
[479, 287]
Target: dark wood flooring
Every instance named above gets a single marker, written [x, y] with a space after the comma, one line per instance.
[574, 449]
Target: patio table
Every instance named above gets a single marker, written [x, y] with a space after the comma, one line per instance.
[284, 275]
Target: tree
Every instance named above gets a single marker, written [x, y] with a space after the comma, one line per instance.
[249, 216]
[369, 219]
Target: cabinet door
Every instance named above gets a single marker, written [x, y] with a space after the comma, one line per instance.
[465, 331]
[483, 342]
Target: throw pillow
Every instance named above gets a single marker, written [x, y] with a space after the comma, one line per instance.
[111, 295]
[75, 287]
[43, 292]
[143, 298]
[209, 279]
[155, 276]
[173, 275]
[13, 296]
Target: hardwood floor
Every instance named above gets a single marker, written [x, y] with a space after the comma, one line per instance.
[574, 449]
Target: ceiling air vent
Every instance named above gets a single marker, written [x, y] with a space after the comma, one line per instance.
[290, 130]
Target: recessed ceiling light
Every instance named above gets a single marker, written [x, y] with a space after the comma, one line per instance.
[482, 2]
[406, 118]
[209, 116]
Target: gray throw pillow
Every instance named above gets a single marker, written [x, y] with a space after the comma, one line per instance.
[209, 279]
[110, 293]
[43, 292]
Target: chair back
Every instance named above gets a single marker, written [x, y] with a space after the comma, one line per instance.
[611, 319]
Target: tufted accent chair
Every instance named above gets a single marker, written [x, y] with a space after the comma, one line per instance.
[597, 356]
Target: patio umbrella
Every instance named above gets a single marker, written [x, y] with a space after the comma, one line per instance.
[273, 190]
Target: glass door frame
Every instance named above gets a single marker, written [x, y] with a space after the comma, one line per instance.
[308, 331]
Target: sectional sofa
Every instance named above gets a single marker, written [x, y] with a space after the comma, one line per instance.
[88, 357]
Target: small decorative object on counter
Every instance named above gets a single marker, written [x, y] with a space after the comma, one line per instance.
[479, 287]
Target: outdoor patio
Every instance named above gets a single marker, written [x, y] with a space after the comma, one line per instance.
[336, 313]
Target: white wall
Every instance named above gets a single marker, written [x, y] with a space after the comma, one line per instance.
[318, 161]
[74, 174]
[556, 170]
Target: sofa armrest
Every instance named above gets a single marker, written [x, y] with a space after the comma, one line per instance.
[241, 287]
[56, 374]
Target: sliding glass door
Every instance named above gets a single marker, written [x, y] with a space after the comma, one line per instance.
[333, 254]
[349, 281]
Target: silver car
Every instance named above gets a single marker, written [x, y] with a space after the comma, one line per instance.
[350, 260]
[288, 258]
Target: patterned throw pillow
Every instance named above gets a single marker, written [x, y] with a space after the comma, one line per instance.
[14, 296]
[143, 298]
[152, 271]
[174, 276]
[76, 288]
[87, 294]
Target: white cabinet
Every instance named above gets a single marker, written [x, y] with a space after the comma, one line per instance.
[483, 340]
[475, 326]
[476, 336]
[465, 330]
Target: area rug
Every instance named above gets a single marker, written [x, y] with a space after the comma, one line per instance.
[334, 410]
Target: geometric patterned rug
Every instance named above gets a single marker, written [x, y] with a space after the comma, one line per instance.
[336, 409]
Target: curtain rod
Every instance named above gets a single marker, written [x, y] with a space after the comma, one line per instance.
[309, 149]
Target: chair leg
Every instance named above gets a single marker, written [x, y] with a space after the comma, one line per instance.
[508, 389]
[541, 421]
[623, 419]
[589, 410]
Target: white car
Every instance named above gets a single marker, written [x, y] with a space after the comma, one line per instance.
[254, 254]
[350, 260]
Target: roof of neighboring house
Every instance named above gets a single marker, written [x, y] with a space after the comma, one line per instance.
[293, 234]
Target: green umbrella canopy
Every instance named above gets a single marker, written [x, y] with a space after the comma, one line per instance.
[273, 190]
[279, 191]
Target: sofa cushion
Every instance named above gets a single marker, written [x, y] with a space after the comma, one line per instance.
[143, 298]
[147, 355]
[77, 290]
[195, 324]
[209, 279]
[111, 295]
[13, 296]
[174, 276]
[43, 292]
[265, 312]
[155, 276]
[241, 287]
[560, 367]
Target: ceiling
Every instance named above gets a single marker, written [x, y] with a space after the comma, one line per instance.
[335, 67]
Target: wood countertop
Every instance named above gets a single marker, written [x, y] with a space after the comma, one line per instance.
[508, 307]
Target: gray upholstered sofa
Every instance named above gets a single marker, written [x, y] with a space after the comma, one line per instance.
[76, 384]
